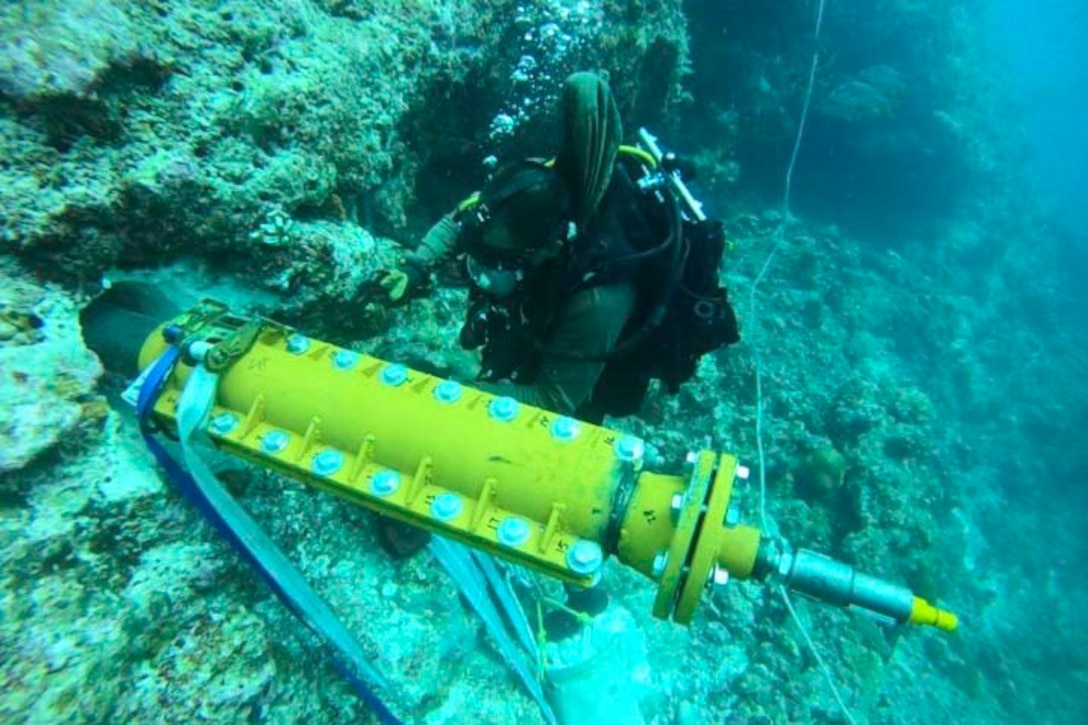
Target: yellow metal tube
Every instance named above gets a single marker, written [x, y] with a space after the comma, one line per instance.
[547, 491]
[500, 459]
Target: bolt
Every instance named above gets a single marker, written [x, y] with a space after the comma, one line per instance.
[223, 424]
[503, 409]
[448, 391]
[718, 578]
[660, 562]
[689, 461]
[513, 531]
[446, 506]
[394, 374]
[198, 350]
[173, 333]
[732, 515]
[742, 473]
[275, 441]
[345, 359]
[585, 557]
[297, 344]
[327, 462]
[565, 429]
[785, 565]
[677, 502]
[385, 482]
[629, 448]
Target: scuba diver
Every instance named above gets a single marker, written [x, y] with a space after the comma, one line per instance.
[586, 284]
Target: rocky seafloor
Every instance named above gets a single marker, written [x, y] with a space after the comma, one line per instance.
[921, 398]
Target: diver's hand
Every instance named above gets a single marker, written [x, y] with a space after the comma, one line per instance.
[395, 283]
[401, 284]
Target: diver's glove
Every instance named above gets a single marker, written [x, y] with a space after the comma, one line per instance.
[400, 285]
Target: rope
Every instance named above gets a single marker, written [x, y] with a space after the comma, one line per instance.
[819, 658]
[779, 237]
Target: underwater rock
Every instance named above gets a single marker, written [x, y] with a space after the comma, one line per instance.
[820, 473]
[47, 375]
[61, 48]
[875, 92]
[148, 132]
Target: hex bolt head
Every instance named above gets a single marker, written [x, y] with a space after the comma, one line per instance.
[785, 564]
[660, 562]
[345, 359]
[690, 460]
[448, 392]
[585, 557]
[199, 349]
[274, 441]
[630, 449]
[297, 344]
[677, 502]
[718, 579]
[513, 531]
[743, 472]
[503, 409]
[394, 374]
[385, 482]
[327, 462]
[565, 429]
[732, 515]
[173, 333]
[223, 424]
[446, 506]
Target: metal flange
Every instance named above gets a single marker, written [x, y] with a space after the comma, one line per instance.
[708, 540]
[673, 578]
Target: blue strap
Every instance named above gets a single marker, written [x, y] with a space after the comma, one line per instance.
[385, 715]
[149, 393]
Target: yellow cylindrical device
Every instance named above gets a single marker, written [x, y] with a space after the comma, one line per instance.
[550, 492]
[521, 481]
[922, 612]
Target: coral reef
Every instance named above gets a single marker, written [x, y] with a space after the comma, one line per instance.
[923, 398]
[139, 132]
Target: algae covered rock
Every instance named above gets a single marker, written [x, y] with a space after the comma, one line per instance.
[820, 473]
[874, 93]
[47, 375]
[61, 48]
[141, 132]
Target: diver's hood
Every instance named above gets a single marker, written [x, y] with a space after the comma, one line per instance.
[592, 133]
